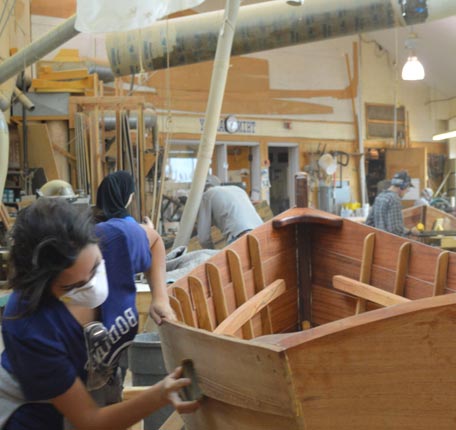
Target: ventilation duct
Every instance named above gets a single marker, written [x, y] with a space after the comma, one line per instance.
[261, 27]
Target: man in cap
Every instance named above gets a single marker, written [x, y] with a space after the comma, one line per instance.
[228, 208]
[386, 212]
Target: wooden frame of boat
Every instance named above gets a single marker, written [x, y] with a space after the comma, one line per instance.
[427, 215]
[312, 322]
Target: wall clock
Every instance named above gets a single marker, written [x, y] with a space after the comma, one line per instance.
[231, 124]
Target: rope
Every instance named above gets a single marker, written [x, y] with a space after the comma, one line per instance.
[169, 124]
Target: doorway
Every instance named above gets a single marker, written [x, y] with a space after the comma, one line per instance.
[284, 163]
[375, 173]
[239, 163]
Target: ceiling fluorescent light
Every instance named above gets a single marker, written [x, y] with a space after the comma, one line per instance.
[443, 136]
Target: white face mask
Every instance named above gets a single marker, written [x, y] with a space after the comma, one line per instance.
[92, 294]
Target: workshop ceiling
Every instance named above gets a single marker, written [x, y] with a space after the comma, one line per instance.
[435, 47]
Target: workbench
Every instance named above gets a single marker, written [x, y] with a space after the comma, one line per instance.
[445, 239]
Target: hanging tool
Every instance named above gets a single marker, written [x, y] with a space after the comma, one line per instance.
[343, 158]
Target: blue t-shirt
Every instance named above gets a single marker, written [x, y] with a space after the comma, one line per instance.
[46, 351]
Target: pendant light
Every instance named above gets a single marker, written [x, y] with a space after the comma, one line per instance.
[413, 70]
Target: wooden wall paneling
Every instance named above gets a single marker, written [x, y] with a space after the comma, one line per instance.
[414, 160]
[238, 159]
[197, 77]
[252, 106]
[40, 151]
[58, 133]
[55, 8]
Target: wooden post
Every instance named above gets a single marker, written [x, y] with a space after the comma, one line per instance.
[304, 254]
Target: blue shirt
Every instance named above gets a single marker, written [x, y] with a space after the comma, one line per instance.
[46, 351]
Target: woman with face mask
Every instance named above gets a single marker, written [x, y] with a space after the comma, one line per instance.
[65, 325]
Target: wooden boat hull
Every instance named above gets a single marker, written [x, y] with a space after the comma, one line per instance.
[427, 215]
[391, 367]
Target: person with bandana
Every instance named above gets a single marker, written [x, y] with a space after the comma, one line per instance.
[65, 325]
[123, 244]
[114, 195]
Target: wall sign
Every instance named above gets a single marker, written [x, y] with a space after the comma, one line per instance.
[245, 127]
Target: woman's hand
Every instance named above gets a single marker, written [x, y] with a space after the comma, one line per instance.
[160, 309]
[170, 387]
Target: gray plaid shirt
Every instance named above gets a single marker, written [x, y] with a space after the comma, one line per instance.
[386, 213]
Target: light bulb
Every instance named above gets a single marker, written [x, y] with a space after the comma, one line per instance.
[413, 70]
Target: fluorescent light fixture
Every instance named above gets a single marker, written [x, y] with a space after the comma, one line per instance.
[443, 136]
[413, 70]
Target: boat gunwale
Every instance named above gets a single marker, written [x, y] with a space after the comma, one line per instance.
[293, 339]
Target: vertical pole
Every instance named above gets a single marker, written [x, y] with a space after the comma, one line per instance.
[214, 107]
[304, 255]
[362, 158]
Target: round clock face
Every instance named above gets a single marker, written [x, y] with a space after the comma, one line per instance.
[231, 124]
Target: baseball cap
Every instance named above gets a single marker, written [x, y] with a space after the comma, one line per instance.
[402, 180]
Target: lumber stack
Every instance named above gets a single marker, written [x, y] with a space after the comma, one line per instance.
[66, 73]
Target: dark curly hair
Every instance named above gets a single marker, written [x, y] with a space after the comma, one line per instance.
[46, 239]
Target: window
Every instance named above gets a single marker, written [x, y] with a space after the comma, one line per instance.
[380, 121]
[181, 163]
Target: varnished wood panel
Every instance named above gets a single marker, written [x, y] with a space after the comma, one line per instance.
[379, 374]
[279, 261]
[236, 383]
